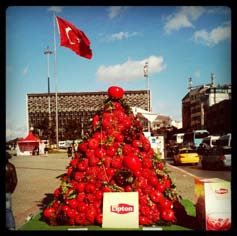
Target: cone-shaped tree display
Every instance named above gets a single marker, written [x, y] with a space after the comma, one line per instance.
[114, 157]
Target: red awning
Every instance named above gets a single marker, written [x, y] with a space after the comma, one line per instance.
[30, 138]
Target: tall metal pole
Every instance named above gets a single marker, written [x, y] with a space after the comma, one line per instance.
[48, 52]
[56, 84]
[146, 76]
[145, 69]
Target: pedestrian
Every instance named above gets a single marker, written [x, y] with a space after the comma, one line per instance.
[69, 151]
[46, 150]
[11, 182]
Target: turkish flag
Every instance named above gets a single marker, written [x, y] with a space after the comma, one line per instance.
[73, 38]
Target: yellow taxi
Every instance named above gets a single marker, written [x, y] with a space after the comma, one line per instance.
[186, 156]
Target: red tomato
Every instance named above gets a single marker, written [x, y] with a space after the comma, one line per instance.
[71, 212]
[127, 149]
[111, 150]
[82, 146]
[168, 215]
[161, 187]
[65, 208]
[132, 162]
[107, 161]
[90, 215]
[118, 106]
[99, 218]
[156, 196]
[80, 187]
[99, 194]
[95, 120]
[57, 192]
[90, 188]
[73, 163]
[110, 172]
[78, 176]
[82, 207]
[115, 92]
[166, 203]
[93, 143]
[82, 165]
[49, 211]
[143, 220]
[69, 171]
[100, 152]
[136, 143]
[128, 188]
[147, 163]
[153, 180]
[160, 166]
[127, 122]
[106, 189]
[73, 203]
[80, 219]
[137, 173]
[119, 137]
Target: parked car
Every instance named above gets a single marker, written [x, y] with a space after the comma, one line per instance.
[186, 156]
[217, 158]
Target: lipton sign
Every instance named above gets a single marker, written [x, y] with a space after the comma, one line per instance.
[120, 210]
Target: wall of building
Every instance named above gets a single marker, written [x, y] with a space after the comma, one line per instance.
[197, 102]
[81, 106]
[218, 118]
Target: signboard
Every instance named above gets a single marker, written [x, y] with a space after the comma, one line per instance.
[120, 210]
[157, 144]
[213, 203]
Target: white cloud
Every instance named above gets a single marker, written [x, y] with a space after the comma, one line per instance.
[129, 70]
[115, 11]
[213, 37]
[55, 9]
[183, 18]
[15, 131]
[122, 35]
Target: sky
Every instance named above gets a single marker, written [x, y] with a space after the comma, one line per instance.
[178, 42]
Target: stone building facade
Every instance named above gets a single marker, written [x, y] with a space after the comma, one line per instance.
[80, 106]
[199, 101]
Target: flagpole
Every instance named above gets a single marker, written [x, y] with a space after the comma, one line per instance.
[56, 83]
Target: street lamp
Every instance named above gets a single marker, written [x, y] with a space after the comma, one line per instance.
[48, 52]
[145, 70]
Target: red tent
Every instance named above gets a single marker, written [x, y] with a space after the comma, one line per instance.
[26, 145]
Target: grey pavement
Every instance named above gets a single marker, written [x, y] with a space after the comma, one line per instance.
[39, 176]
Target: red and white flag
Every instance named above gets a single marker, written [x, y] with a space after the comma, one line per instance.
[73, 38]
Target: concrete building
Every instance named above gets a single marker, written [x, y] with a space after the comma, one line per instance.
[198, 101]
[78, 106]
[218, 118]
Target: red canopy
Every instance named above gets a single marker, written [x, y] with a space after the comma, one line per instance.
[28, 144]
[30, 138]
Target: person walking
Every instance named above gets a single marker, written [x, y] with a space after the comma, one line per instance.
[69, 151]
[11, 182]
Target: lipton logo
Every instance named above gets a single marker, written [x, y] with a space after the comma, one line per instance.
[122, 208]
[221, 191]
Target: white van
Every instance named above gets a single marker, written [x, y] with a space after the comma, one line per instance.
[225, 140]
[62, 144]
[211, 140]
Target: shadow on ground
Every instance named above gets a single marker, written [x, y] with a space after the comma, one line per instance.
[183, 219]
